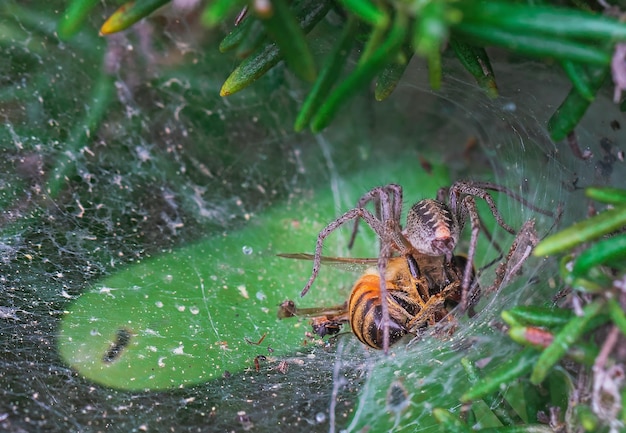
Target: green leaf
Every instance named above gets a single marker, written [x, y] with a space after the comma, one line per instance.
[129, 13]
[575, 105]
[390, 76]
[547, 20]
[263, 59]
[537, 316]
[283, 26]
[606, 251]
[431, 29]
[477, 63]
[362, 74]
[532, 44]
[237, 35]
[216, 11]
[607, 195]
[367, 11]
[74, 17]
[517, 366]
[251, 69]
[617, 315]
[563, 340]
[328, 75]
[583, 231]
[578, 76]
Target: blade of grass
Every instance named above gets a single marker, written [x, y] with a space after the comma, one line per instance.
[601, 252]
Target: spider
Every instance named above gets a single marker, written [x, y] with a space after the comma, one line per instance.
[432, 228]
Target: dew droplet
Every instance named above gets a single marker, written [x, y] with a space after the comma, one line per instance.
[247, 250]
[320, 417]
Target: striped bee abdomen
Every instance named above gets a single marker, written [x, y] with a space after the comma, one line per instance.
[365, 308]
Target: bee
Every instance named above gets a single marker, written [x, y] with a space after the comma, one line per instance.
[413, 302]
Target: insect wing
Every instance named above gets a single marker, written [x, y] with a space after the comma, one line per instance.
[348, 263]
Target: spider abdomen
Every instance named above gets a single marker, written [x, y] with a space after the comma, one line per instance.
[431, 228]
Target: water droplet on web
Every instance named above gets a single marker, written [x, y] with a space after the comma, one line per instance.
[247, 250]
[320, 417]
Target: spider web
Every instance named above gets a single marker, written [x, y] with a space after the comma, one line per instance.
[172, 163]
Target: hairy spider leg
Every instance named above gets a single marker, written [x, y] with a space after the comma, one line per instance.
[469, 203]
[383, 257]
[350, 215]
[387, 204]
[459, 188]
[510, 193]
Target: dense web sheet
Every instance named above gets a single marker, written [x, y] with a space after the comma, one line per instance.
[172, 164]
